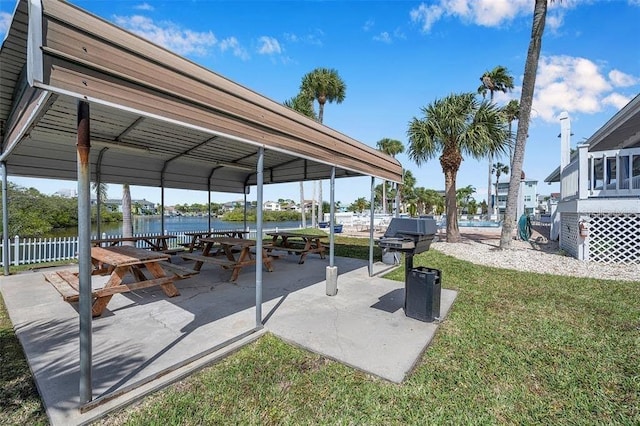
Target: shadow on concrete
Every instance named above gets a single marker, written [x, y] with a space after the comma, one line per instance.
[145, 337]
[391, 301]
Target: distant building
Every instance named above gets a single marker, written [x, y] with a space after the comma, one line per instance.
[137, 206]
[530, 196]
[271, 206]
[232, 205]
[66, 193]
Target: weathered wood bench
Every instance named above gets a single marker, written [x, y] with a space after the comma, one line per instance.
[294, 249]
[68, 285]
[216, 260]
[179, 271]
[173, 251]
[272, 247]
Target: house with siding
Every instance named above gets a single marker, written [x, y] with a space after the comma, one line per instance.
[597, 217]
[137, 206]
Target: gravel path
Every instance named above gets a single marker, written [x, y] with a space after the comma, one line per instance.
[480, 246]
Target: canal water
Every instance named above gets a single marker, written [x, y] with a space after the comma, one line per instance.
[151, 225]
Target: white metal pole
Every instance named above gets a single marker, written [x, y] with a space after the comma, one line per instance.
[259, 266]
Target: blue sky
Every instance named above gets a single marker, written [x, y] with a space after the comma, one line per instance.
[395, 58]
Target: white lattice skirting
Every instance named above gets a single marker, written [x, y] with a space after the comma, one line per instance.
[569, 234]
[613, 238]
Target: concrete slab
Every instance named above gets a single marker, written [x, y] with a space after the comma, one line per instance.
[363, 326]
[145, 340]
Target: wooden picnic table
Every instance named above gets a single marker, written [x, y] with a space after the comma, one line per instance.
[154, 242]
[196, 236]
[290, 242]
[229, 260]
[117, 262]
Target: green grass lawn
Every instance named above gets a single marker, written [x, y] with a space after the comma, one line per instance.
[516, 348]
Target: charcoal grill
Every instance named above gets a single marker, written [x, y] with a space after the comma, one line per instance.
[409, 236]
[412, 236]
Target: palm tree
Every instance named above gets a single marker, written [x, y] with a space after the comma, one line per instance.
[499, 169]
[101, 190]
[302, 103]
[455, 126]
[127, 223]
[101, 196]
[390, 147]
[463, 195]
[511, 112]
[526, 100]
[496, 80]
[433, 202]
[323, 85]
[407, 190]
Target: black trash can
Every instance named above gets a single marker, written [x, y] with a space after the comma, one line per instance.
[422, 294]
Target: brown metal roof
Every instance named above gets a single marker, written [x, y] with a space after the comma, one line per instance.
[156, 118]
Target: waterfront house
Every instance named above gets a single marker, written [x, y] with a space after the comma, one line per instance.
[598, 215]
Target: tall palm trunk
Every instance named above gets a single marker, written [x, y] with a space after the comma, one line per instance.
[511, 147]
[384, 197]
[453, 232]
[497, 206]
[302, 209]
[321, 102]
[313, 205]
[127, 223]
[320, 212]
[526, 100]
[489, 206]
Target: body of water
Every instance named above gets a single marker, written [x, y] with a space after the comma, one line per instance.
[151, 225]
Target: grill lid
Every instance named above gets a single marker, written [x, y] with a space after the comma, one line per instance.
[401, 227]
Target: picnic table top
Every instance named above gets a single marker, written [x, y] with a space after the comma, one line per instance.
[126, 255]
[295, 234]
[137, 238]
[229, 241]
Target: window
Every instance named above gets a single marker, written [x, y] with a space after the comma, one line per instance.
[527, 198]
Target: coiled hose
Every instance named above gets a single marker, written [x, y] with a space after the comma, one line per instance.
[524, 227]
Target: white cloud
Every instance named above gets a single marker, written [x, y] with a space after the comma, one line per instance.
[370, 23]
[268, 46]
[180, 40]
[426, 15]
[313, 38]
[383, 37]
[292, 38]
[5, 22]
[144, 6]
[234, 46]
[487, 13]
[616, 100]
[554, 22]
[620, 79]
[577, 85]
[169, 35]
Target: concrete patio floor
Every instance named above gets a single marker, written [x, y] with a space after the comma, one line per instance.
[144, 340]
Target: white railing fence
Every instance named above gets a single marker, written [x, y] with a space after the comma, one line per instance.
[23, 251]
[613, 173]
[569, 183]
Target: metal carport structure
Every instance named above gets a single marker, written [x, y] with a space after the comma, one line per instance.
[71, 81]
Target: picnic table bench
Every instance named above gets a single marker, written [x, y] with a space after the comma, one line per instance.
[117, 262]
[197, 236]
[229, 261]
[294, 242]
[157, 243]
